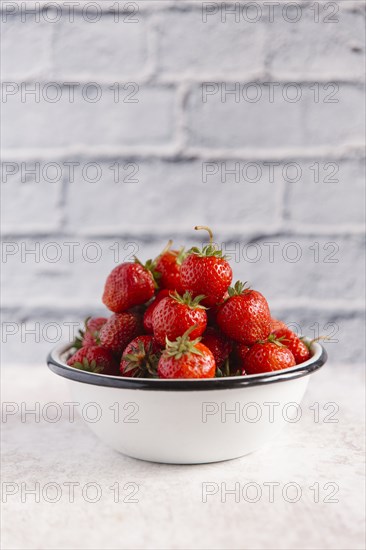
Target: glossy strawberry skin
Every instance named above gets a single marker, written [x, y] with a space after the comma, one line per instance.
[245, 317]
[268, 357]
[276, 325]
[128, 285]
[149, 347]
[148, 327]
[104, 360]
[297, 347]
[91, 334]
[119, 330]
[219, 345]
[207, 275]
[171, 319]
[169, 269]
[189, 365]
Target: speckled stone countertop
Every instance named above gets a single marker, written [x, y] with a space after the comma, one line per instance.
[319, 466]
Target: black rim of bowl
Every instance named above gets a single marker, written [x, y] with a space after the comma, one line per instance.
[58, 366]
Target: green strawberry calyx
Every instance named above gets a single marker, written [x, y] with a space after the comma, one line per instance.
[238, 289]
[207, 250]
[96, 337]
[150, 266]
[143, 360]
[181, 255]
[187, 300]
[78, 342]
[182, 345]
[274, 340]
[88, 366]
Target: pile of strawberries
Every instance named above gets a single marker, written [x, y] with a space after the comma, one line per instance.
[178, 317]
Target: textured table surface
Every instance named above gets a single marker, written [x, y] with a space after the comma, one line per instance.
[170, 512]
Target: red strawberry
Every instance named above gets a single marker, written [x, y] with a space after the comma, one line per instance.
[89, 336]
[186, 358]
[297, 347]
[175, 314]
[276, 324]
[167, 267]
[245, 315]
[128, 285]
[94, 359]
[92, 328]
[238, 357]
[150, 310]
[268, 356]
[206, 273]
[218, 344]
[119, 330]
[140, 357]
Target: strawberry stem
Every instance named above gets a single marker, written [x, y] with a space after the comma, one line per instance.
[206, 228]
[210, 249]
[309, 344]
[167, 247]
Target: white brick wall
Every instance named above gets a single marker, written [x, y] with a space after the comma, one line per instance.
[335, 50]
[187, 47]
[173, 149]
[122, 53]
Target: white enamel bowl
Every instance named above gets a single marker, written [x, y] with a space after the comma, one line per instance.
[188, 421]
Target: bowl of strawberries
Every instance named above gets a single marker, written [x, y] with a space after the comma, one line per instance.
[188, 368]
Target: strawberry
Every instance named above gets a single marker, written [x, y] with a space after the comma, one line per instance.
[140, 357]
[297, 347]
[128, 285]
[119, 330]
[94, 359]
[167, 267]
[244, 316]
[150, 310]
[268, 356]
[186, 358]
[276, 324]
[218, 344]
[92, 328]
[90, 335]
[206, 272]
[175, 314]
